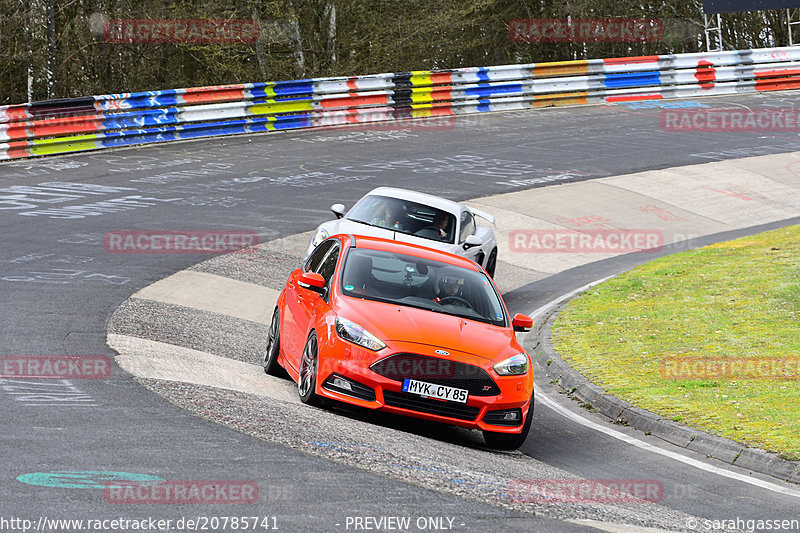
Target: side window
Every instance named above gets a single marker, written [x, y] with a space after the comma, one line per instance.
[316, 257]
[467, 226]
[328, 265]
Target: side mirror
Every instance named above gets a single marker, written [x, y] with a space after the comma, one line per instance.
[338, 210]
[522, 322]
[312, 281]
[471, 242]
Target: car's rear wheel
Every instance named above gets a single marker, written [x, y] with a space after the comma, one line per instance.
[307, 379]
[270, 362]
[509, 441]
[491, 263]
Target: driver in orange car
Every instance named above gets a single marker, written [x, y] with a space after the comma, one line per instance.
[450, 285]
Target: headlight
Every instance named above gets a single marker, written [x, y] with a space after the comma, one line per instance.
[320, 236]
[513, 366]
[350, 331]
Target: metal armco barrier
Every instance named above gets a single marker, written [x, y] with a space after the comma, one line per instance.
[90, 123]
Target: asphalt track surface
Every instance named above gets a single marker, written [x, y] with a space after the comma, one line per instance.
[59, 286]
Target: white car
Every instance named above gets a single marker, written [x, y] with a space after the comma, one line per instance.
[416, 218]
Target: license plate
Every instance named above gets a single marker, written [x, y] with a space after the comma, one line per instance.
[432, 390]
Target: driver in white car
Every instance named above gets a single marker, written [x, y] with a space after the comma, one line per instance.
[438, 229]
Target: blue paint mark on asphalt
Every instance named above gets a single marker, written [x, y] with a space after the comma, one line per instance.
[86, 479]
[425, 469]
[662, 104]
[343, 447]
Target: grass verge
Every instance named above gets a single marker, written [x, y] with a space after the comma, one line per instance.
[708, 337]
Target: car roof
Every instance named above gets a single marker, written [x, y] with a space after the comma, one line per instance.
[377, 243]
[419, 197]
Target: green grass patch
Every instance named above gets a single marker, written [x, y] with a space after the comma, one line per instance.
[734, 302]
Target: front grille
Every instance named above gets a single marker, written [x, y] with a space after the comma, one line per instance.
[401, 366]
[434, 407]
[358, 390]
[496, 418]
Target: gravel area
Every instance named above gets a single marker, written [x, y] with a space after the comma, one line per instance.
[221, 335]
[458, 465]
[260, 266]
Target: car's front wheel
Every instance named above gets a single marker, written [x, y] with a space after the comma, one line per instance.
[307, 379]
[491, 263]
[270, 362]
[509, 441]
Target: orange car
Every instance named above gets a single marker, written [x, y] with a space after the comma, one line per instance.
[410, 330]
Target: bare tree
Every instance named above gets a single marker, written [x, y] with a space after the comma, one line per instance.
[56, 48]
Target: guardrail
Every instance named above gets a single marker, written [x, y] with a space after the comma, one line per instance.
[95, 122]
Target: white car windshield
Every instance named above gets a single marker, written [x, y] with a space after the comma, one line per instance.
[425, 284]
[405, 216]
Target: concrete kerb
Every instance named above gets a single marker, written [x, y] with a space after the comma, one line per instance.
[576, 385]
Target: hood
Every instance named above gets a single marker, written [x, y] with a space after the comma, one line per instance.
[392, 322]
[356, 228]
[335, 227]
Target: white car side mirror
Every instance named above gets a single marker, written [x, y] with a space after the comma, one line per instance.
[471, 242]
[338, 210]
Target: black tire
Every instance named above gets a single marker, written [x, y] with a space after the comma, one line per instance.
[491, 263]
[509, 441]
[272, 350]
[307, 376]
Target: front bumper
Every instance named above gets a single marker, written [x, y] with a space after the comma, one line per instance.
[346, 376]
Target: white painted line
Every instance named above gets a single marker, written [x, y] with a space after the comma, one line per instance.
[611, 527]
[633, 441]
[546, 307]
[158, 360]
[543, 398]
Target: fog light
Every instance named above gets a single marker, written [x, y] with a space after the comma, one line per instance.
[504, 417]
[342, 384]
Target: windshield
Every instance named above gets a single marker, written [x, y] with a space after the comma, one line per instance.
[405, 216]
[421, 283]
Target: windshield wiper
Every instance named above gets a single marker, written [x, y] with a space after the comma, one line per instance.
[419, 306]
[439, 310]
[451, 313]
